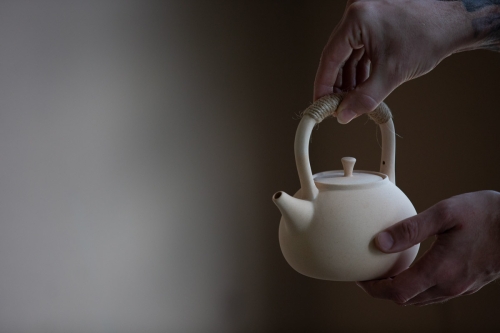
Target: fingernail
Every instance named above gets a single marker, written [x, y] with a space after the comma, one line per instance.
[384, 241]
[345, 116]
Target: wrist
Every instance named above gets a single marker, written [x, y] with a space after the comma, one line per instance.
[457, 33]
[486, 27]
[482, 27]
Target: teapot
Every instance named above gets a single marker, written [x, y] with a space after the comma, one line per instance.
[327, 228]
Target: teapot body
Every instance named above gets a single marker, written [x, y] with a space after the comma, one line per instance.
[328, 227]
[338, 243]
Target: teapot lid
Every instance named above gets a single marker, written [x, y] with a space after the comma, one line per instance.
[348, 177]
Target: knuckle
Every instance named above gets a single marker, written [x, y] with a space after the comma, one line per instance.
[409, 229]
[360, 9]
[444, 212]
[452, 286]
[456, 289]
[364, 101]
[368, 13]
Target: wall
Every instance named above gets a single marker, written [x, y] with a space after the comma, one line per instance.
[141, 142]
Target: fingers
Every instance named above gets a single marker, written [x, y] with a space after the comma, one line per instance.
[454, 266]
[349, 71]
[337, 87]
[388, 289]
[442, 293]
[343, 63]
[432, 301]
[405, 286]
[336, 52]
[450, 284]
[416, 229]
[363, 69]
[367, 95]
[430, 296]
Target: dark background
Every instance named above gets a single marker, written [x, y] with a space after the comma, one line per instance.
[141, 142]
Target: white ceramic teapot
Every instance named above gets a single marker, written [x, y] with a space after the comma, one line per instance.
[328, 227]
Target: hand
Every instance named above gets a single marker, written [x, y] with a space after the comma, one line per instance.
[464, 257]
[398, 39]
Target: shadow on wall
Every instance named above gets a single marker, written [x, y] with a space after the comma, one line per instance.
[141, 143]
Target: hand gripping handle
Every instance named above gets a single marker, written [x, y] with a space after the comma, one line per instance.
[327, 106]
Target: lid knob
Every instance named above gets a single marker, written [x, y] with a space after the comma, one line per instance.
[348, 164]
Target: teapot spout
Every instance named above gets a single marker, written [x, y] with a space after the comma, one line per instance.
[297, 213]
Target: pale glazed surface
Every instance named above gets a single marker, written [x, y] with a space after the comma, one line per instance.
[338, 244]
[337, 178]
[327, 228]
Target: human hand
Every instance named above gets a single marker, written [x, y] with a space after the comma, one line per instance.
[378, 45]
[464, 257]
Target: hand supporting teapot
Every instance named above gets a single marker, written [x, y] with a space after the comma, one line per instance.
[328, 227]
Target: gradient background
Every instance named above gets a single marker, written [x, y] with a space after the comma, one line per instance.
[140, 145]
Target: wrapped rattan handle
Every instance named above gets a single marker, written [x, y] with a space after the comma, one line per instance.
[327, 106]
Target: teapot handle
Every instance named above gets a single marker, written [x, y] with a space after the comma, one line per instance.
[323, 108]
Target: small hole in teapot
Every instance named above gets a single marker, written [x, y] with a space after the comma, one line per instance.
[277, 195]
[383, 162]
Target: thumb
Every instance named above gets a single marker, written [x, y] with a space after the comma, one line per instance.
[367, 96]
[411, 231]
